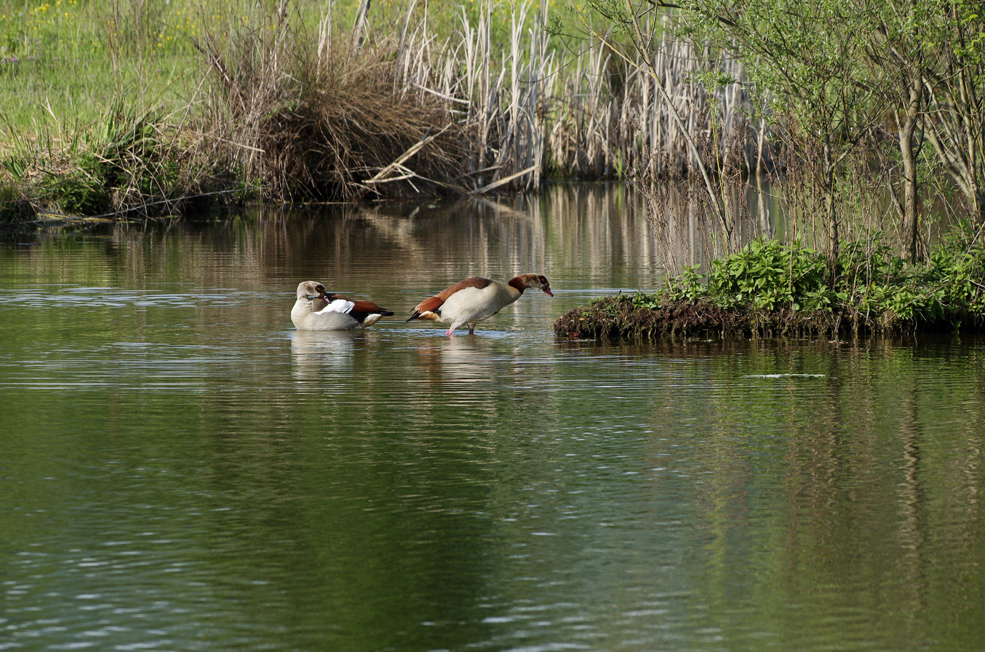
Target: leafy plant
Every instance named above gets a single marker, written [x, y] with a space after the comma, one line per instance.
[686, 286]
[642, 300]
[768, 275]
[872, 281]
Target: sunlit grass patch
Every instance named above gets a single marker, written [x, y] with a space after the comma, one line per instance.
[65, 61]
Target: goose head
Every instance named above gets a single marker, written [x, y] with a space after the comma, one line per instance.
[311, 290]
[538, 281]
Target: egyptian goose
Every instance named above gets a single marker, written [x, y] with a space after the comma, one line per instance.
[319, 310]
[475, 299]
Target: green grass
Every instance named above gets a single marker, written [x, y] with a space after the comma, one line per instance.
[62, 62]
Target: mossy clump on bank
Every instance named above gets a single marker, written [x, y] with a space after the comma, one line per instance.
[774, 289]
[649, 316]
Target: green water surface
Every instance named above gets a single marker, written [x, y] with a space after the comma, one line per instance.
[182, 470]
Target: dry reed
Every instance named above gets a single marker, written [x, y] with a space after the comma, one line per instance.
[321, 120]
[366, 114]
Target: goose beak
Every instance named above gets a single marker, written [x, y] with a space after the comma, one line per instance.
[548, 292]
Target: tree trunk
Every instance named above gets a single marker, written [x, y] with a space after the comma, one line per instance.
[955, 120]
[907, 128]
[828, 183]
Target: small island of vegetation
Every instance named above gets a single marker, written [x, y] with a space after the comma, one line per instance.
[884, 200]
[769, 289]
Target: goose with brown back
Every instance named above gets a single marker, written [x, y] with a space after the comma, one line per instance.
[320, 310]
[476, 299]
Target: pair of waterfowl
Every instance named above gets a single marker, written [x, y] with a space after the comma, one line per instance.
[465, 303]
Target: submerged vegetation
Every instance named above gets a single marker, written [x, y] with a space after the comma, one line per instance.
[769, 289]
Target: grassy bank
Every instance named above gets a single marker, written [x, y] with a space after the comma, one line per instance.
[139, 109]
[772, 289]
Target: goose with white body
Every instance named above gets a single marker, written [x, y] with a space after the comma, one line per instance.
[316, 309]
[476, 299]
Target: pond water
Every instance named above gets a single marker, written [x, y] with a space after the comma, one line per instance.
[182, 470]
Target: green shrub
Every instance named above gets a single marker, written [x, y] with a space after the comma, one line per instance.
[770, 275]
[872, 280]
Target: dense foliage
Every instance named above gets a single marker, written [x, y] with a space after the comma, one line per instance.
[872, 280]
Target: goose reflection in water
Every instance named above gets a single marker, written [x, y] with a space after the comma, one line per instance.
[460, 359]
[315, 352]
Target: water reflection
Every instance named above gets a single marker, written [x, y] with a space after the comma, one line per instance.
[466, 359]
[317, 352]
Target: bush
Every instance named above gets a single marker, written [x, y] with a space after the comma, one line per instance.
[873, 285]
[768, 275]
[310, 119]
